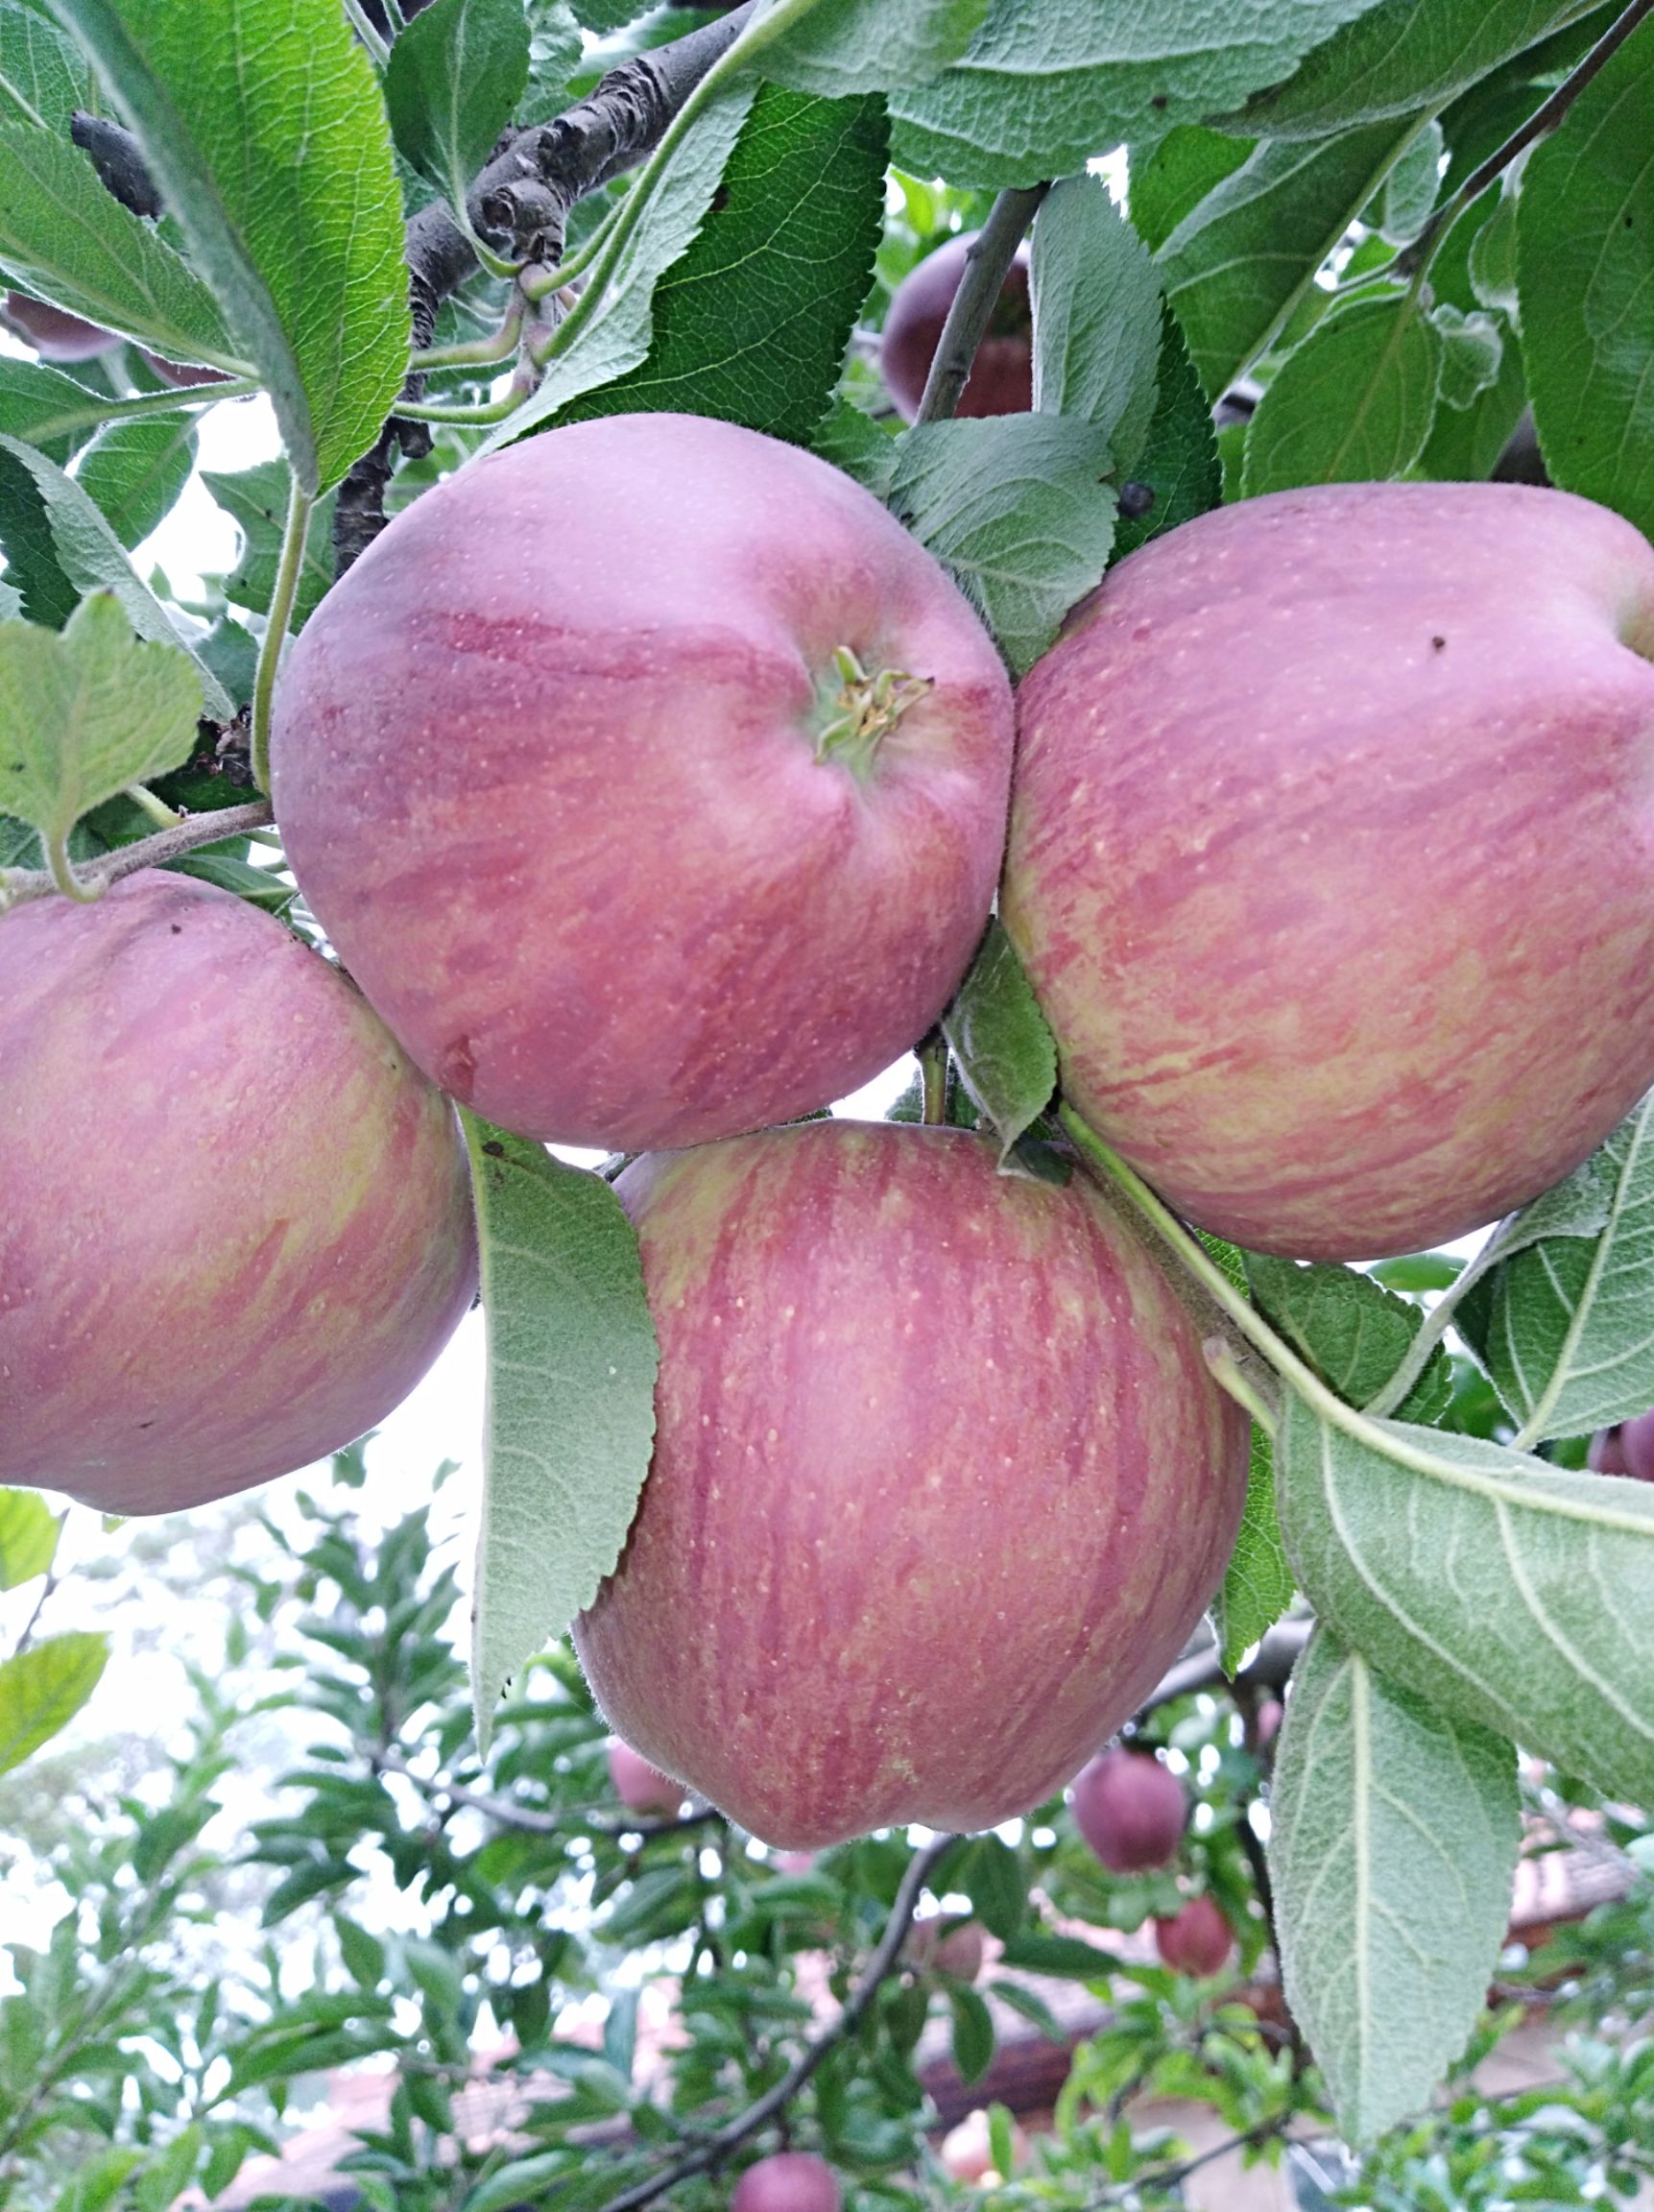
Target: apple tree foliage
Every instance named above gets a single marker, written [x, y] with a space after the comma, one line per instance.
[1378, 237]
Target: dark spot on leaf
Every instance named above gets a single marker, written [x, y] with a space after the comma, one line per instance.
[720, 199]
[1159, 100]
[1135, 500]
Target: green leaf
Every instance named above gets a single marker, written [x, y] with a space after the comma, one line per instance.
[1353, 1332]
[1472, 349]
[1021, 509]
[1167, 182]
[98, 2182]
[1585, 267]
[609, 331]
[553, 49]
[281, 175]
[87, 710]
[854, 442]
[1006, 1053]
[524, 2180]
[43, 1686]
[1179, 461]
[842, 47]
[973, 2034]
[134, 471]
[1096, 316]
[1393, 1846]
[1244, 256]
[992, 1877]
[60, 549]
[28, 1535]
[63, 235]
[752, 323]
[1257, 1585]
[1354, 402]
[256, 497]
[455, 78]
[1508, 1592]
[1401, 55]
[1411, 187]
[1033, 1951]
[45, 407]
[572, 1359]
[1046, 84]
[1563, 1320]
[257, 886]
[43, 76]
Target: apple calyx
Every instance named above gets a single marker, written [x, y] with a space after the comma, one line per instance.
[863, 710]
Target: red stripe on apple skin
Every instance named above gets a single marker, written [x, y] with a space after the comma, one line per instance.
[941, 1482]
[544, 763]
[248, 1230]
[1345, 933]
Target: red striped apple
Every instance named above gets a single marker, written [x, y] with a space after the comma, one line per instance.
[1331, 857]
[1001, 379]
[941, 1482]
[650, 780]
[1131, 1810]
[238, 1225]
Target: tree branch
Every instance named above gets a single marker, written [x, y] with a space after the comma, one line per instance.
[730, 2137]
[17, 885]
[987, 265]
[509, 1814]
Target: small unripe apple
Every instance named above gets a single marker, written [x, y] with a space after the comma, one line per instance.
[788, 2182]
[1627, 1448]
[1329, 857]
[1001, 380]
[877, 1355]
[1197, 1941]
[237, 1226]
[935, 1948]
[56, 334]
[651, 780]
[1131, 1810]
[639, 1786]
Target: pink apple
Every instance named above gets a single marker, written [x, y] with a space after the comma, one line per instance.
[936, 1947]
[575, 768]
[183, 375]
[941, 1482]
[788, 2182]
[1625, 1450]
[1001, 379]
[1332, 857]
[1196, 1942]
[56, 334]
[642, 1788]
[1131, 1810]
[966, 2152]
[238, 1224]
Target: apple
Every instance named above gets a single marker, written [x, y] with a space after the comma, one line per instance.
[941, 1482]
[788, 2182]
[1627, 1448]
[642, 1788]
[966, 2152]
[578, 771]
[56, 334]
[1329, 857]
[1196, 1942]
[238, 1227]
[1001, 380]
[183, 375]
[958, 1951]
[1131, 1810]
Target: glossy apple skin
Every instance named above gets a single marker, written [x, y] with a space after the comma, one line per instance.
[239, 1223]
[545, 768]
[789, 2181]
[1001, 380]
[1627, 1448]
[640, 1785]
[941, 1482]
[1196, 1942]
[56, 334]
[1131, 1810]
[1331, 857]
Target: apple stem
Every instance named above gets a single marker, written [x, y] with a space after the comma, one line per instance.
[280, 614]
[931, 1054]
[63, 874]
[864, 711]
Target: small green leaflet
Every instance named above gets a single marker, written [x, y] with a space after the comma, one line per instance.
[973, 2034]
[995, 1031]
[1242, 257]
[835, 48]
[1046, 84]
[43, 1686]
[256, 497]
[1353, 401]
[1096, 316]
[86, 709]
[455, 77]
[553, 49]
[1353, 1332]
[1393, 1846]
[63, 235]
[1178, 464]
[570, 1420]
[1563, 1318]
[136, 471]
[28, 1536]
[1584, 268]
[1021, 509]
[602, 340]
[283, 180]
[1258, 1586]
[1508, 1592]
[991, 1875]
